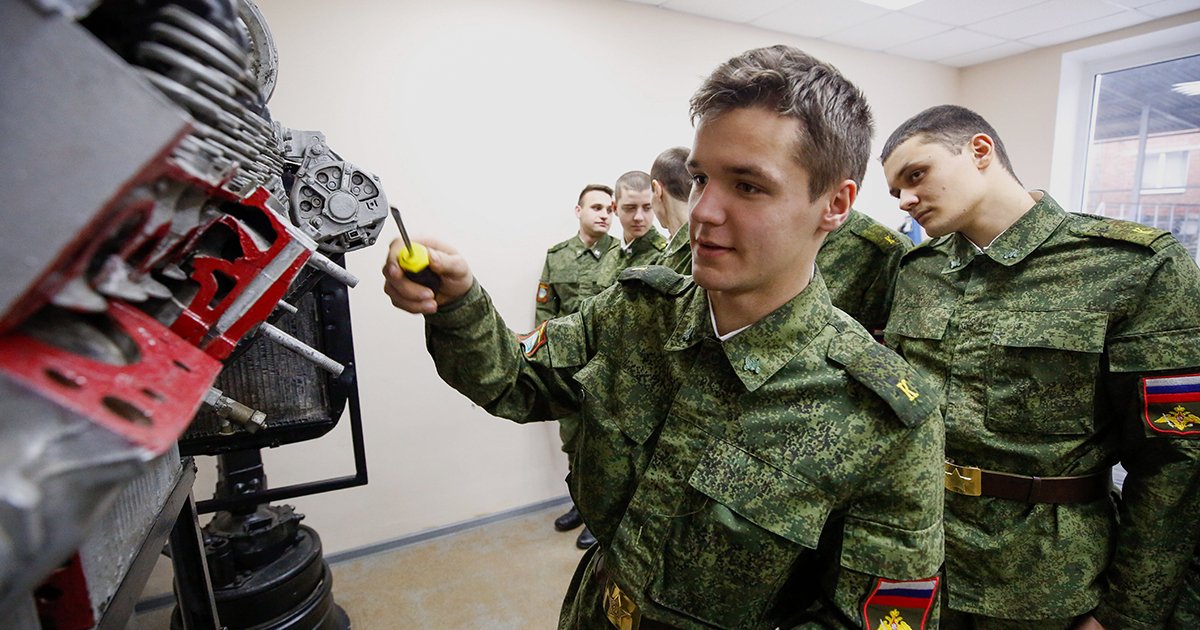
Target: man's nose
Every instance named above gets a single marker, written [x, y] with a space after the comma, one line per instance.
[908, 201]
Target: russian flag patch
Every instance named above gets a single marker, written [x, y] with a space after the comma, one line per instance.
[896, 605]
[1172, 404]
[532, 341]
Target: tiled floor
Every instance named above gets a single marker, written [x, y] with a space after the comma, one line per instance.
[508, 574]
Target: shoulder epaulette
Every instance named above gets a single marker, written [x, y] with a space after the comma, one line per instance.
[1118, 230]
[910, 395]
[883, 238]
[558, 246]
[661, 279]
[926, 246]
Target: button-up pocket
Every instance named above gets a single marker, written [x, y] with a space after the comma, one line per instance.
[1043, 370]
[725, 562]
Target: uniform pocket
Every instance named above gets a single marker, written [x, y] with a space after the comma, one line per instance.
[1043, 371]
[726, 561]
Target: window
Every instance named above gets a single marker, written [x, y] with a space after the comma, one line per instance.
[1145, 128]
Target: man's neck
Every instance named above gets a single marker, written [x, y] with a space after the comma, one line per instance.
[732, 311]
[626, 241]
[588, 240]
[677, 214]
[998, 212]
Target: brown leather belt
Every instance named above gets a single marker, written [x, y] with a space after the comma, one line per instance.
[975, 482]
[622, 612]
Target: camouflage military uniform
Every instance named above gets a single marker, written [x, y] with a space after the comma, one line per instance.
[1043, 346]
[730, 485]
[678, 254]
[859, 261]
[570, 274]
[1187, 610]
[644, 250]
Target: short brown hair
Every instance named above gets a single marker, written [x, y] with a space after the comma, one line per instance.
[633, 180]
[834, 141]
[670, 169]
[951, 126]
[590, 187]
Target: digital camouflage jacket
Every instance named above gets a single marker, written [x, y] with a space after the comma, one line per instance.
[859, 261]
[678, 255]
[1050, 349]
[644, 250]
[570, 274]
[769, 480]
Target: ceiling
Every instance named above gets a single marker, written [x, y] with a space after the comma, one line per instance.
[1126, 95]
[955, 33]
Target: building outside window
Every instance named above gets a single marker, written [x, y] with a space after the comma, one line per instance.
[1143, 161]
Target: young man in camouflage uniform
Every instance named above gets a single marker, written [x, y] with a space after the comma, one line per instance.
[670, 186]
[749, 457]
[1062, 343]
[858, 263]
[572, 273]
[640, 243]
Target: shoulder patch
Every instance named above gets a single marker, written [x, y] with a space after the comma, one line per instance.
[883, 238]
[543, 293]
[1118, 230]
[533, 341]
[896, 605]
[661, 279]
[905, 390]
[1171, 405]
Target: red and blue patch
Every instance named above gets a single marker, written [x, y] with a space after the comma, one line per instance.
[896, 605]
[1172, 404]
[531, 342]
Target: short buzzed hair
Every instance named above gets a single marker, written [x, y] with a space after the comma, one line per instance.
[951, 126]
[670, 170]
[834, 139]
[633, 180]
[590, 187]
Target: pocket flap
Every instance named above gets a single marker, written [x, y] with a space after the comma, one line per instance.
[918, 323]
[635, 413]
[772, 499]
[1077, 331]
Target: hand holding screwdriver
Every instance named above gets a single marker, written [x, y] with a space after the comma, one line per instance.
[414, 259]
[442, 262]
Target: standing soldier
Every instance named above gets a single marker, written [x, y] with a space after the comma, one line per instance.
[570, 274]
[641, 243]
[670, 185]
[748, 457]
[1062, 343]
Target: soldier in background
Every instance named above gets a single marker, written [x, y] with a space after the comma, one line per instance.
[570, 274]
[640, 243]
[670, 185]
[1063, 343]
[858, 262]
[748, 457]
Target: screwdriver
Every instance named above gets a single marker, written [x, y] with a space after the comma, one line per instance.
[414, 259]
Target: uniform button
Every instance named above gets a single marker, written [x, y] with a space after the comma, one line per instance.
[953, 263]
[1010, 255]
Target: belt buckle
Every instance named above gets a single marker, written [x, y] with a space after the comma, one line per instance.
[966, 480]
[621, 611]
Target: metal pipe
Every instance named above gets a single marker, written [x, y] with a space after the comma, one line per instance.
[299, 347]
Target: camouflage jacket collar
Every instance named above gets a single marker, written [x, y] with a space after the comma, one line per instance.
[679, 240]
[758, 352]
[649, 240]
[602, 244]
[1015, 243]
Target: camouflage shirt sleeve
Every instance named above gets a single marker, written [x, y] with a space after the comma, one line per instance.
[502, 372]
[1160, 502]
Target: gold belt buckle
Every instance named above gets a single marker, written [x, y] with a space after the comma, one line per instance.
[621, 611]
[966, 480]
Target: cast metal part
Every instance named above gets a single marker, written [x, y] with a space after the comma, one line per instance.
[336, 203]
[264, 58]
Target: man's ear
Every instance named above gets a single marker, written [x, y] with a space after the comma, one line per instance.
[656, 189]
[578, 210]
[837, 210]
[983, 150]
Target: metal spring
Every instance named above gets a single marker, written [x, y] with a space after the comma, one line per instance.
[205, 71]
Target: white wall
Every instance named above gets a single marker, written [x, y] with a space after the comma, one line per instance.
[484, 119]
